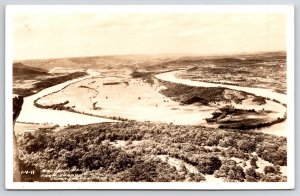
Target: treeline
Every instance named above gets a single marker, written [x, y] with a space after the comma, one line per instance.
[186, 94]
[241, 124]
[47, 82]
[58, 106]
[244, 125]
[62, 106]
[145, 76]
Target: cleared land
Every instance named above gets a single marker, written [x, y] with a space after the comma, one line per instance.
[116, 94]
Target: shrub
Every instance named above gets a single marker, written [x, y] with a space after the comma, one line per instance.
[196, 177]
[207, 165]
[272, 170]
[226, 142]
[253, 162]
[270, 177]
[230, 171]
[251, 175]
[246, 145]
[273, 152]
[151, 171]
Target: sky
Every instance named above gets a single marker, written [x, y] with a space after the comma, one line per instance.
[48, 35]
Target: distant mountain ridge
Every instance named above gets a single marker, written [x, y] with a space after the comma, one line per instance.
[139, 61]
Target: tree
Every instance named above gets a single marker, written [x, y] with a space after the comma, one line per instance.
[207, 165]
[271, 170]
[252, 175]
[253, 162]
[270, 177]
[246, 145]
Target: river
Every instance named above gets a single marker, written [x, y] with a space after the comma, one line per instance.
[279, 129]
[171, 77]
[33, 114]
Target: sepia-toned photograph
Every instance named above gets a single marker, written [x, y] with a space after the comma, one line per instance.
[116, 97]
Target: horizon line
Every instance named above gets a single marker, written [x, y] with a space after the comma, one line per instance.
[156, 54]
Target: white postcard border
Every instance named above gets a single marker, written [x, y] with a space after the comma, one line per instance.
[285, 9]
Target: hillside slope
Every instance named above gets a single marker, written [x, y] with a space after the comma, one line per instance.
[20, 69]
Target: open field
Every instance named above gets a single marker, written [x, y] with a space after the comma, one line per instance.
[116, 94]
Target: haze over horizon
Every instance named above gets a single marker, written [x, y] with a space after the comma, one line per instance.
[48, 35]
